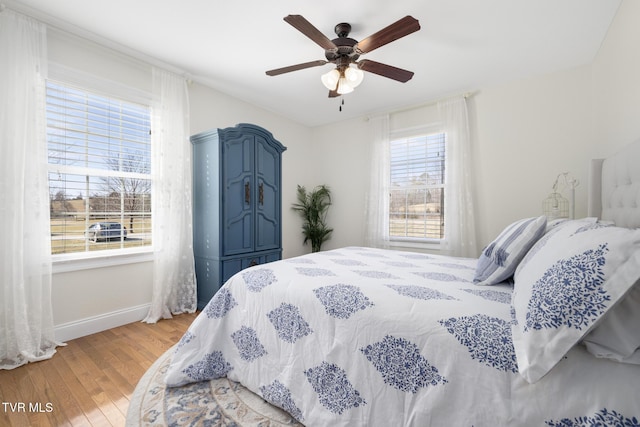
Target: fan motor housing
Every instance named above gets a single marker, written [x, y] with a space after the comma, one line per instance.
[343, 43]
[345, 48]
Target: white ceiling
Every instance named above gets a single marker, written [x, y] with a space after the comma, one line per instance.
[463, 45]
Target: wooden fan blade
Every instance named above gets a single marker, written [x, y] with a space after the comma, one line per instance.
[385, 70]
[306, 28]
[333, 93]
[398, 29]
[296, 67]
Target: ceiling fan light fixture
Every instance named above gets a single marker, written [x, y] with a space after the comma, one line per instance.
[342, 79]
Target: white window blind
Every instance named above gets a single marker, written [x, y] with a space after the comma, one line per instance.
[416, 196]
[99, 170]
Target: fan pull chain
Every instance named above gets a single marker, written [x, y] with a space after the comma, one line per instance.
[341, 104]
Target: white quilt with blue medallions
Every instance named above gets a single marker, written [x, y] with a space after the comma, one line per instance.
[369, 337]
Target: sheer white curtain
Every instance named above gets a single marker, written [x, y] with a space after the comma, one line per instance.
[26, 319]
[459, 220]
[174, 283]
[377, 203]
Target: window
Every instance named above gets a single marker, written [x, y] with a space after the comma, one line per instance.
[99, 171]
[416, 190]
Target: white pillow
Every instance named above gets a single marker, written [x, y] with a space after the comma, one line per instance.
[500, 258]
[569, 282]
[617, 337]
[556, 223]
[553, 227]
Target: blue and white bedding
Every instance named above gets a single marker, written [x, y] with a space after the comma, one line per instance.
[370, 337]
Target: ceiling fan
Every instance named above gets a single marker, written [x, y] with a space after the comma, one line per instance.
[344, 52]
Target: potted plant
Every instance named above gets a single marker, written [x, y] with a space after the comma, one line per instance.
[313, 206]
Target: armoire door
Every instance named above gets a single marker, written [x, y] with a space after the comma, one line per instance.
[267, 215]
[238, 194]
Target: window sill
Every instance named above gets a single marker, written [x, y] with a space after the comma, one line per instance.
[86, 261]
[413, 245]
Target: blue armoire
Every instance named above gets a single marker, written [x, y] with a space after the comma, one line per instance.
[236, 203]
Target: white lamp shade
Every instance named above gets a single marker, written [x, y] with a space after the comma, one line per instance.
[330, 79]
[344, 86]
[354, 76]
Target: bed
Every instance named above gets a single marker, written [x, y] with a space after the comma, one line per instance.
[541, 329]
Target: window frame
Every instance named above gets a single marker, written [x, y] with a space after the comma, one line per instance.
[414, 242]
[73, 261]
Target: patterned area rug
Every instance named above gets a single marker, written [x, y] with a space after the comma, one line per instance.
[218, 402]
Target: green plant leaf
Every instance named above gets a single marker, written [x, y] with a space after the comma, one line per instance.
[312, 207]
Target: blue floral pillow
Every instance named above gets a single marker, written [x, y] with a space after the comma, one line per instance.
[500, 258]
[569, 281]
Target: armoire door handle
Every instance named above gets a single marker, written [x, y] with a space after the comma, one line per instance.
[261, 193]
[247, 193]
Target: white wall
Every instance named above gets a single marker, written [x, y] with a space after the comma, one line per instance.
[527, 132]
[91, 300]
[616, 82]
[340, 150]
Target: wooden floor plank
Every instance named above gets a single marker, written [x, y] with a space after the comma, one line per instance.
[88, 382]
[82, 390]
[86, 372]
[48, 402]
[60, 396]
[11, 400]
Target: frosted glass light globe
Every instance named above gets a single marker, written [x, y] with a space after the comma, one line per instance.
[330, 79]
[354, 76]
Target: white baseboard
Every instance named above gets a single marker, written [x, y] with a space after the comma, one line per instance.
[91, 325]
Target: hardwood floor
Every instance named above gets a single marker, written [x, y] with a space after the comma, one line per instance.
[88, 382]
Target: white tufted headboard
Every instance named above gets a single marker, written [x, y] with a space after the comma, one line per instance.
[614, 187]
